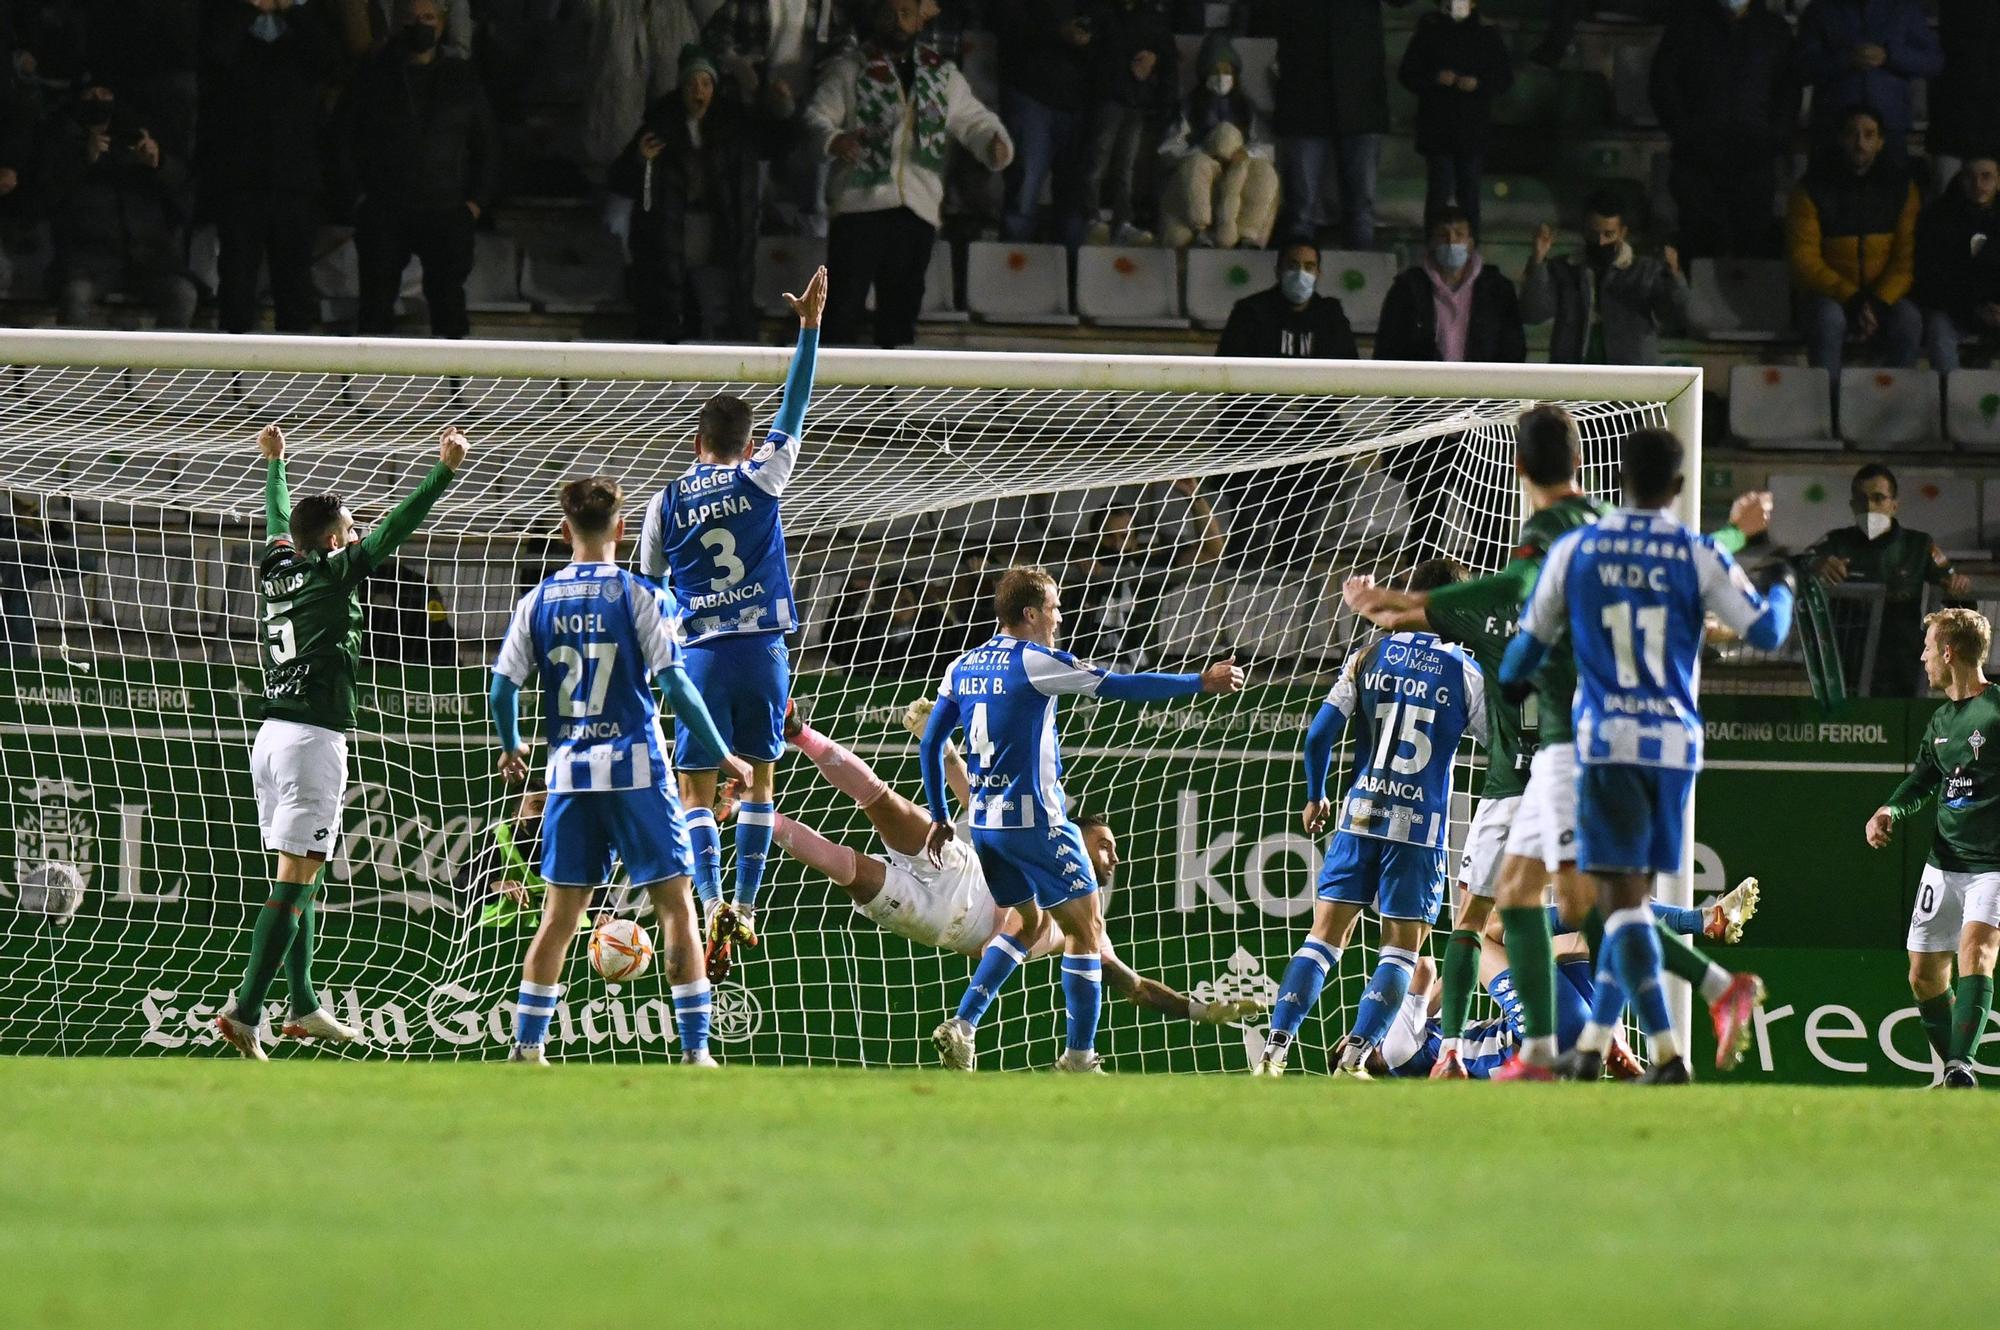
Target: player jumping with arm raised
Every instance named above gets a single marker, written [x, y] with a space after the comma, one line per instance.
[1005, 693]
[1410, 699]
[715, 537]
[309, 593]
[947, 905]
[599, 636]
[1632, 594]
[1957, 912]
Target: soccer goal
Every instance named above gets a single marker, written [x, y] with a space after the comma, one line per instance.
[1191, 507]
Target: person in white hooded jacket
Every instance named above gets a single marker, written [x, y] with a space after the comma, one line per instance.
[887, 114]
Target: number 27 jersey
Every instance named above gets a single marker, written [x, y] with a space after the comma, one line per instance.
[1410, 699]
[715, 537]
[597, 635]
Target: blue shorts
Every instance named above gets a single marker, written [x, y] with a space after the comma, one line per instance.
[580, 831]
[1402, 881]
[744, 680]
[1047, 864]
[1631, 819]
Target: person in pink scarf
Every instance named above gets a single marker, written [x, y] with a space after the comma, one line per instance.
[1452, 306]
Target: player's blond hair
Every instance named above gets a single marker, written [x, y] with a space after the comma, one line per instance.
[1021, 590]
[1966, 632]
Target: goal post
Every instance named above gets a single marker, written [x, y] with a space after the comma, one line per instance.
[1190, 505]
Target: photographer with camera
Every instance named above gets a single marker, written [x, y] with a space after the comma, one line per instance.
[119, 207]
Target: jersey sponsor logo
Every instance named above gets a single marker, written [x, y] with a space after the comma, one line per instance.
[1978, 741]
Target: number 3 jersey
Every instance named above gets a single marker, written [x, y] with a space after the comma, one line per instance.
[1632, 593]
[1409, 699]
[714, 537]
[597, 635]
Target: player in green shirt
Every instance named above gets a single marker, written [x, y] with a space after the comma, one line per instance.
[309, 589]
[1958, 899]
[1881, 551]
[1535, 822]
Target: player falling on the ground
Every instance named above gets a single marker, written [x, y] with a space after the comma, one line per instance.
[1033, 856]
[1958, 900]
[716, 538]
[1533, 835]
[309, 592]
[948, 905]
[1410, 698]
[1632, 594]
[599, 636]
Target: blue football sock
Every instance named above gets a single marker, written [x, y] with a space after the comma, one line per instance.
[1572, 1006]
[1384, 995]
[754, 823]
[1311, 964]
[1577, 970]
[1556, 925]
[692, 1006]
[533, 1008]
[1634, 947]
[1502, 990]
[707, 842]
[1083, 998]
[1003, 956]
[1680, 918]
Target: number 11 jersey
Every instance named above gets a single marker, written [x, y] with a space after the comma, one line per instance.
[597, 635]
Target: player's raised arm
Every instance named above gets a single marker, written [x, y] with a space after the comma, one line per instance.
[402, 521]
[1055, 673]
[1322, 736]
[1544, 623]
[1395, 611]
[770, 468]
[1763, 621]
[277, 490]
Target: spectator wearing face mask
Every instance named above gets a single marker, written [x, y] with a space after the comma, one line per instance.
[1958, 262]
[1878, 550]
[1456, 64]
[1608, 301]
[424, 154]
[1290, 319]
[1453, 306]
[1223, 186]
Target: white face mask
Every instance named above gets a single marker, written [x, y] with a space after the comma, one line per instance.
[1220, 84]
[1876, 525]
[1460, 10]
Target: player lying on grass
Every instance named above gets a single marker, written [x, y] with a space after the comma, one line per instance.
[1524, 833]
[309, 595]
[1632, 594]
[948, 905]
[1410, 698]
[1031, 854]
[716, 538]
[1957, 913]
[599, 636]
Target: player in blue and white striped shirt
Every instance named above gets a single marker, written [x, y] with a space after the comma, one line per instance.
[1632, 594]
[599, 636]
[1005, 693]
[714, 537]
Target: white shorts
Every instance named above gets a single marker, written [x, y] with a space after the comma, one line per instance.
[300, 775]
[946, 907]
[1409, 1028]
[1485, 843]
[1946, 902]
[1545, 823]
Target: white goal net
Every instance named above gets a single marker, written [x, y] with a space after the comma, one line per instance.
[1190, 508]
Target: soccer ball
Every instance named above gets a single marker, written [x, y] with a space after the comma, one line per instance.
[620, 950]
[51, 889]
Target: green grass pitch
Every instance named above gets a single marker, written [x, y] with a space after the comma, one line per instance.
[209, 1193]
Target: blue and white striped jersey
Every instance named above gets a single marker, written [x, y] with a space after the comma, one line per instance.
[1633, 593]
[1006, 693]
[597, 635]
[715, 538]
[1409, 698]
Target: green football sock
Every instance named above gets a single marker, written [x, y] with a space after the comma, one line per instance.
[1593, 932]
[276, 926]
[299, 958]
[1935, 1013]
[1968, 1022]
[1677, 957]
[1460, 975]
[1531, 958]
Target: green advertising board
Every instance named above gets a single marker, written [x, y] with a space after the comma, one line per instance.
[138, 777]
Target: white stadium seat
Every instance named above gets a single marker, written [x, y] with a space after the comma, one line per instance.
[1889, 408]
[784, 263]
[579, 274]
[1007, 283]
[1780, 406]
[1128, 287]
[1218, 278]
[1739, 300]
[1359, 279]
[495, 284]
[1972, 409]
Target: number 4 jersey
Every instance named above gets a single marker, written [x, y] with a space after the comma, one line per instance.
[597, 635]
[715, 538]
[1410, 698]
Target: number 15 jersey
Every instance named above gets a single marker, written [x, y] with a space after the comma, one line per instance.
[714, 536]
[597, 635]
[1410, 699]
